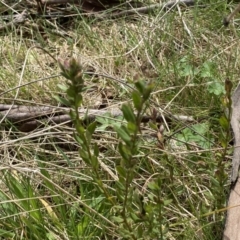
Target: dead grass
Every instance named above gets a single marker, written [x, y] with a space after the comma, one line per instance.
[149, 47]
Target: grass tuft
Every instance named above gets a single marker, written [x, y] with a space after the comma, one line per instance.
[117, 178]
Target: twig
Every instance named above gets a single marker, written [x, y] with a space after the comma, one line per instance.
[232, 224]
[236, 130]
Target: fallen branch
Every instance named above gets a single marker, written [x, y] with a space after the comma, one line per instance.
[30, 117]
[232, 225]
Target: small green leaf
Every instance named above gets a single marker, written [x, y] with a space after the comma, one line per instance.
[224, 123]
[216, 88]
[123, 134]
[88, 137]
[137, 100]
[66, 75]
[121, 171]
[77, 138]
[83, 154]
[94, 162]
[71, 91]
[50, 236]
[62, 100]
[128, 113]
[123, 151]
[140, 85]
[201, 128]
[103, 119]
[91, 128]
[208, 70]
[96, 150]
[80, 129]
[153, 186]
[78, 100]
[147, 92]
[153, 126]
[72, 114]
[214, 181]
[134, 216]
[132, 127]
[117, 219]
[62, 87]
[80, 136]
[130, 176]
[223, 142]
[167, 202]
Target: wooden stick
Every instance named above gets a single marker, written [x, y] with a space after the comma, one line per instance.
[29, 117]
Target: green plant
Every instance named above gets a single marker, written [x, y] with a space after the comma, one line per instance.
[129, 211]
[178, 185]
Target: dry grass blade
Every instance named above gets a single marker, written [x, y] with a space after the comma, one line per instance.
[184, 54]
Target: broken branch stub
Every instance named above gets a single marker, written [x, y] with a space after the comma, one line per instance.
[232, 224]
